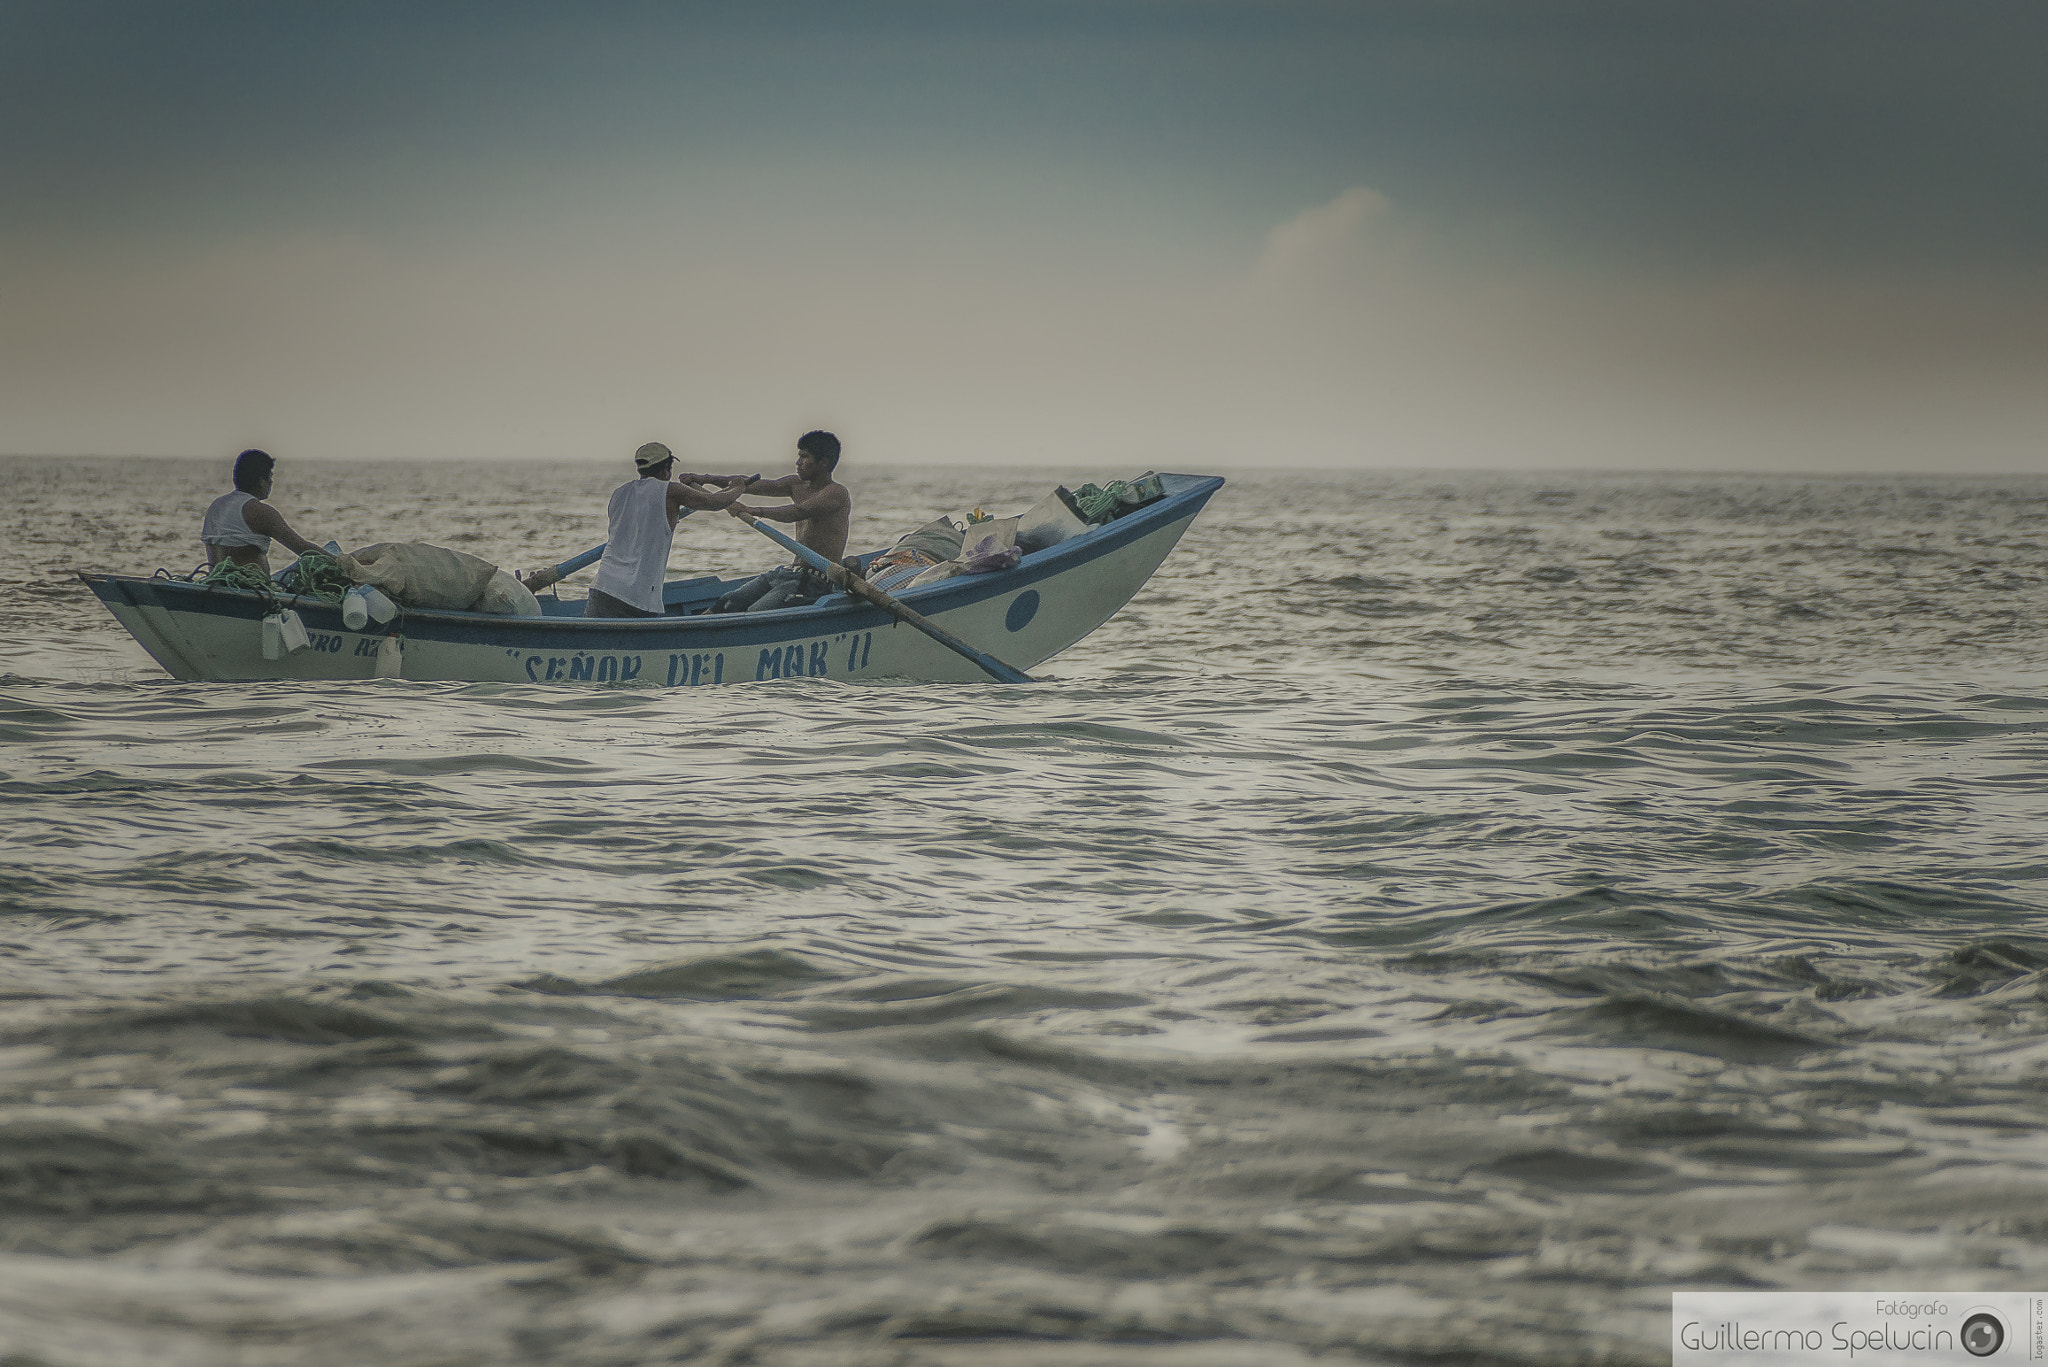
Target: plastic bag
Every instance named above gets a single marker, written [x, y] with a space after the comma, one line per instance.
[947, 570]
[986, 547]
[1146, 488]
[505, 596]
[1048, 522]
[990, 546]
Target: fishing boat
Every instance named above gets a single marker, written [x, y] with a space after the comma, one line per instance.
[966, 628]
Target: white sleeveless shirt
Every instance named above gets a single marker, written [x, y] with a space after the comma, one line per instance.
[225, 526]
[636, 550]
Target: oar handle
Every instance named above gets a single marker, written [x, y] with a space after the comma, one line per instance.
[860, 587]
[541, 579]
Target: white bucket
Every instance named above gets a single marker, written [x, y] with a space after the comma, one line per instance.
[292, 631]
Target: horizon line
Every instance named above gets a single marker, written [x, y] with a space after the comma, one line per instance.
[1771, 472]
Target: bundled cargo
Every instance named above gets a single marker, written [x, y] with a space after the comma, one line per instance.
[914, 552]
[1096, 506]
[415, 574]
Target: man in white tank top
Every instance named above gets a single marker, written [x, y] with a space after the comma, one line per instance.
[642, 527]
[239, 526]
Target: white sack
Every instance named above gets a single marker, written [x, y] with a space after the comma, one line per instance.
[419, 575]
[505, 596]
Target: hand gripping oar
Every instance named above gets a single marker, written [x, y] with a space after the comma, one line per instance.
[541, 579]
[860, 587]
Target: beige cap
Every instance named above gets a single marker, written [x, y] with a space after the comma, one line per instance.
[651, 455]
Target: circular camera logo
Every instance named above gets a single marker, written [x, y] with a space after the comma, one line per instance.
[1983, 1334]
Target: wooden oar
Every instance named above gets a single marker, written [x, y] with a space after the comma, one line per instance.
[860, 587]
[541, 579]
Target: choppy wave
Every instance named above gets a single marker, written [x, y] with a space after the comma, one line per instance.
[1651, 897]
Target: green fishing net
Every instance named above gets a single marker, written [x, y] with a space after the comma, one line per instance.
[1099, 505]
[314, 575]
[318, 576]
[233, 574]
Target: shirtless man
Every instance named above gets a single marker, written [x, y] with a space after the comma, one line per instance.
[821, 510]
[239, 526]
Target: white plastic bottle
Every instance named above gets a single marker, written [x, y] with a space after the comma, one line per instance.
[273, 637]
[381, 608]
[355, 608]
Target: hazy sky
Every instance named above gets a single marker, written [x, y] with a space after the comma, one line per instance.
[1711, 235]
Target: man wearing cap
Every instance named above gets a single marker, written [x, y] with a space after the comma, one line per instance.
[642, 522]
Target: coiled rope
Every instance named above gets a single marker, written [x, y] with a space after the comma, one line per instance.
[315, 575]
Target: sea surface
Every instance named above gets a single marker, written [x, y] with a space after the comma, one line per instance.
[1439, 917]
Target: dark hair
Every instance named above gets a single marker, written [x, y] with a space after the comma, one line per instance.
[252, 467]
[823, 445]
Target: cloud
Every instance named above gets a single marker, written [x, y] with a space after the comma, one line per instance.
[1362, 336]
[1320, 240]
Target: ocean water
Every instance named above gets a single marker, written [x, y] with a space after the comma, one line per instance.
[1438, 918]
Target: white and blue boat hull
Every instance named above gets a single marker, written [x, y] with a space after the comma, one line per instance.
[1023, 616]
